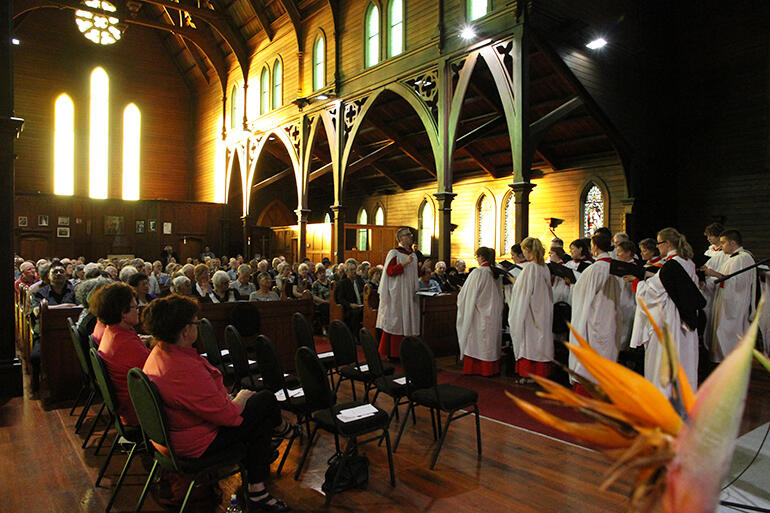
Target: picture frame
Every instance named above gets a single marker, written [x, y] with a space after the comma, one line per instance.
[23, 221]
[166, 228]
[113, 225]
[42, 220]
[140, 226]
[63, 221]
[63, 231]
[153, 226]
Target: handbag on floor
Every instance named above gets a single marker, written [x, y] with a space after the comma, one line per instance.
[355, 472]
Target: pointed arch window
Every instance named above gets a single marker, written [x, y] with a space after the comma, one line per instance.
[395, 28]
[426, 227]
[264, 91]
[64, 146]
[277, 79]
[485, 222]
[362, 239]
[592, 209]
[234, 102]
[327, 218]
[319, 64]
[379, 216]
[99, 134]
[477, 9]
[508, 223]
[132, 122]
[372, 42]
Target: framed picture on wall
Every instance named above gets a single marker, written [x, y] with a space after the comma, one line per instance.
[63, 231]
[42, 220]
[153, 226]
[23, 221]
[113, 225]
[140, 226]
[166, 228]
[63, 221]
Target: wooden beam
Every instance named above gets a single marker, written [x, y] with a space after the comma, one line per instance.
[271, 180]
[409, 149]
[483, 95]
[183, 42]
[296, 20]
[388, 175]
[358, 164]
[578, 140]
[482, 161]
[538, 128]
[476, 133]
[548, 161]
[259, 11]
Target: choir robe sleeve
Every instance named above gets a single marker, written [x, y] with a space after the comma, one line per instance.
[530, 315]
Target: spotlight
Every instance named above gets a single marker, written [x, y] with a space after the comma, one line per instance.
[597, 44]
[15, 42]
[322, 97]
[467, 32]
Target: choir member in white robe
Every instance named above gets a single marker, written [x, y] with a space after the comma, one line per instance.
[530, 315]
[650, 255]
[480, 317]
[580, 251]
[398, 314]
[716, 257]
[559, 285]
[625, 251]
[513, 272]
[596, 308]
[764, 321]
[733, 298]
[673, 298]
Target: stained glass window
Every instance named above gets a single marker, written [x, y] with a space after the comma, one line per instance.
[485, 222]
[426, 227]
[379, 216]
[508, 224]
[593, 210]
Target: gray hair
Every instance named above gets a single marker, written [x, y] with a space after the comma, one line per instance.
[87, 288]
[244, 269]
[180, 281]
[126, 273]
[219, 279]
[92, 270]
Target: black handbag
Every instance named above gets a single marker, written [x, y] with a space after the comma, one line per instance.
[355, 472]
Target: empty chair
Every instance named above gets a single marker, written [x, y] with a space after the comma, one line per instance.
[303, 333]
[130, 434]
[423, 390]
[88, 382]
[322, 401]
[152, 418]
[388, 385]
[208, 342]
[346, 359]
[245, 373]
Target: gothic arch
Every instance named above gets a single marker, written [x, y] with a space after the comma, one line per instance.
[606, 198]
[255, 146]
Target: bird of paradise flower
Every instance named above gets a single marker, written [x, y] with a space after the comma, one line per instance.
[680, 448]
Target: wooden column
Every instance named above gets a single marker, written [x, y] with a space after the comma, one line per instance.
[10, 127]
[444, 224]
[521, 192]
[302, 215]
[339, 232]
[246, 227]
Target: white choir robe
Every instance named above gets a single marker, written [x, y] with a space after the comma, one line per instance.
[733, 306]
[507, 285]
[764, 321]
[399, 310]
[596, 314]
[627, 312]
[530, 315]
[708, 288]
[573, 264]
[560, 290]
[664, 311]
[480, 316]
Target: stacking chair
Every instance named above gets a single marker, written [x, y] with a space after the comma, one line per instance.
[130, 434]
[274, 380]
[322, 401]
[384, 383]
[245, 372]
[88, 381]
[303, 333]
[346, 359]
[208, 341]
[152, 418]
[423, 390]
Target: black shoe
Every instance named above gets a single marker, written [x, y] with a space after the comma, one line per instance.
[260, 501]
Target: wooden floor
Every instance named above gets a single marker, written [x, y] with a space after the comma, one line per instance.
[43, 469]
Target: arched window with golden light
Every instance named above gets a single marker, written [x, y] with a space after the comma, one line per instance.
[99, 137]
[234, 102]
[64, 146]
[264, 91]
[319, 63]
[277, 80]
[372, 42]
[509, 226]
[379, 216]
[485, 222]
[395, 27]
[132, 126]
[362, 239]
[426, 227]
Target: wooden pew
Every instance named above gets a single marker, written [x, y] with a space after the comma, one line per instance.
[59, 366]
[371, 302]
[336, 312]
[275, 317]
[24, 327]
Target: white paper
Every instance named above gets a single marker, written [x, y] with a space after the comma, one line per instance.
[400, 381]
[327, 354]
[297, 392]
[427, 293]
[364, 367]
[359, 412]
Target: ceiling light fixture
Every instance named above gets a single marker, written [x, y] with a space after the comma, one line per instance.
[467, 33]
[596, 44]
[15, 42]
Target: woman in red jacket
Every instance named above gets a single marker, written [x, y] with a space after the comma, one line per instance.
[203, 419]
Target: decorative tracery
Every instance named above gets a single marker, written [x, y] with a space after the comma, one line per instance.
[101, 28]
[593, 210]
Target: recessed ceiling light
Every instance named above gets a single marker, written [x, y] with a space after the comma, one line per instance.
[467, 32]
[597, 43]
[322, 97]
[15, 41]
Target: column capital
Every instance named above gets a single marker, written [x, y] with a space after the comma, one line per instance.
[522, 187]
[337, 208]
[302, 214]
[444, 198]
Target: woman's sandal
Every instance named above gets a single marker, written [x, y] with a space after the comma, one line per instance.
[261, 501]
[290, 432]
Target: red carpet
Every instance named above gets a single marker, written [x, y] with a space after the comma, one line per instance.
[494, 404]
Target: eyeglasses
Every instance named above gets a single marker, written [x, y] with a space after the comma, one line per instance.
[660, 242]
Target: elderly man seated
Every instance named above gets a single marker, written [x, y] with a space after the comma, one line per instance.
[28, 275]
[350, 294]
[243, 285]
